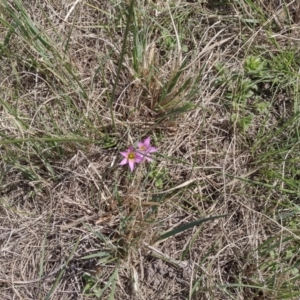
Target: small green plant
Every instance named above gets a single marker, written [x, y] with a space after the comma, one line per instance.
[242, 90]
[157, 175]
[92, 285]
[166, 87]
[255, 67]
[280, 255]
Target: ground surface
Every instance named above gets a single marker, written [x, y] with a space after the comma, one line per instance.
[214, 84]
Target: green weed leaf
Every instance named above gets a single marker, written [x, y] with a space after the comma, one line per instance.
[188, 226]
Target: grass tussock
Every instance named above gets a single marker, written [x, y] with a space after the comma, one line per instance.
[215, 84]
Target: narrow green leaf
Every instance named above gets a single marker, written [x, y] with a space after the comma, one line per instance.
[121, 59]
[62, 271]
[43, 250]
[60, 139]
[112, 281]
[261, 287]
[98, 254]
[188, 226]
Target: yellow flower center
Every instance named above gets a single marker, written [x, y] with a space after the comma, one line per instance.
[143, 148]
[131, 155]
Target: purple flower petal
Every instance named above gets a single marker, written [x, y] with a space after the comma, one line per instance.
[130, 149]
[148, 158]
[123, 162]
[131, 164]
[147, 142]
[125, 154]
[152, 149]
[138, 158]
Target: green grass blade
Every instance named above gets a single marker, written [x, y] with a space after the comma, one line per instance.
[111, 282]
[188, 226]
[126, 33]
[62, 271]
[114, 279]
[58, 140]
[98, 254]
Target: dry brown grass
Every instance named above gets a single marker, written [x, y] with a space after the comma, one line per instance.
[57, 194]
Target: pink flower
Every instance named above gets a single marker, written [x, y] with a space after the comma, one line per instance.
[131, 157]
[145, 149]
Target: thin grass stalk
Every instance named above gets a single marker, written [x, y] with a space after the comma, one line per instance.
[112, 99]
